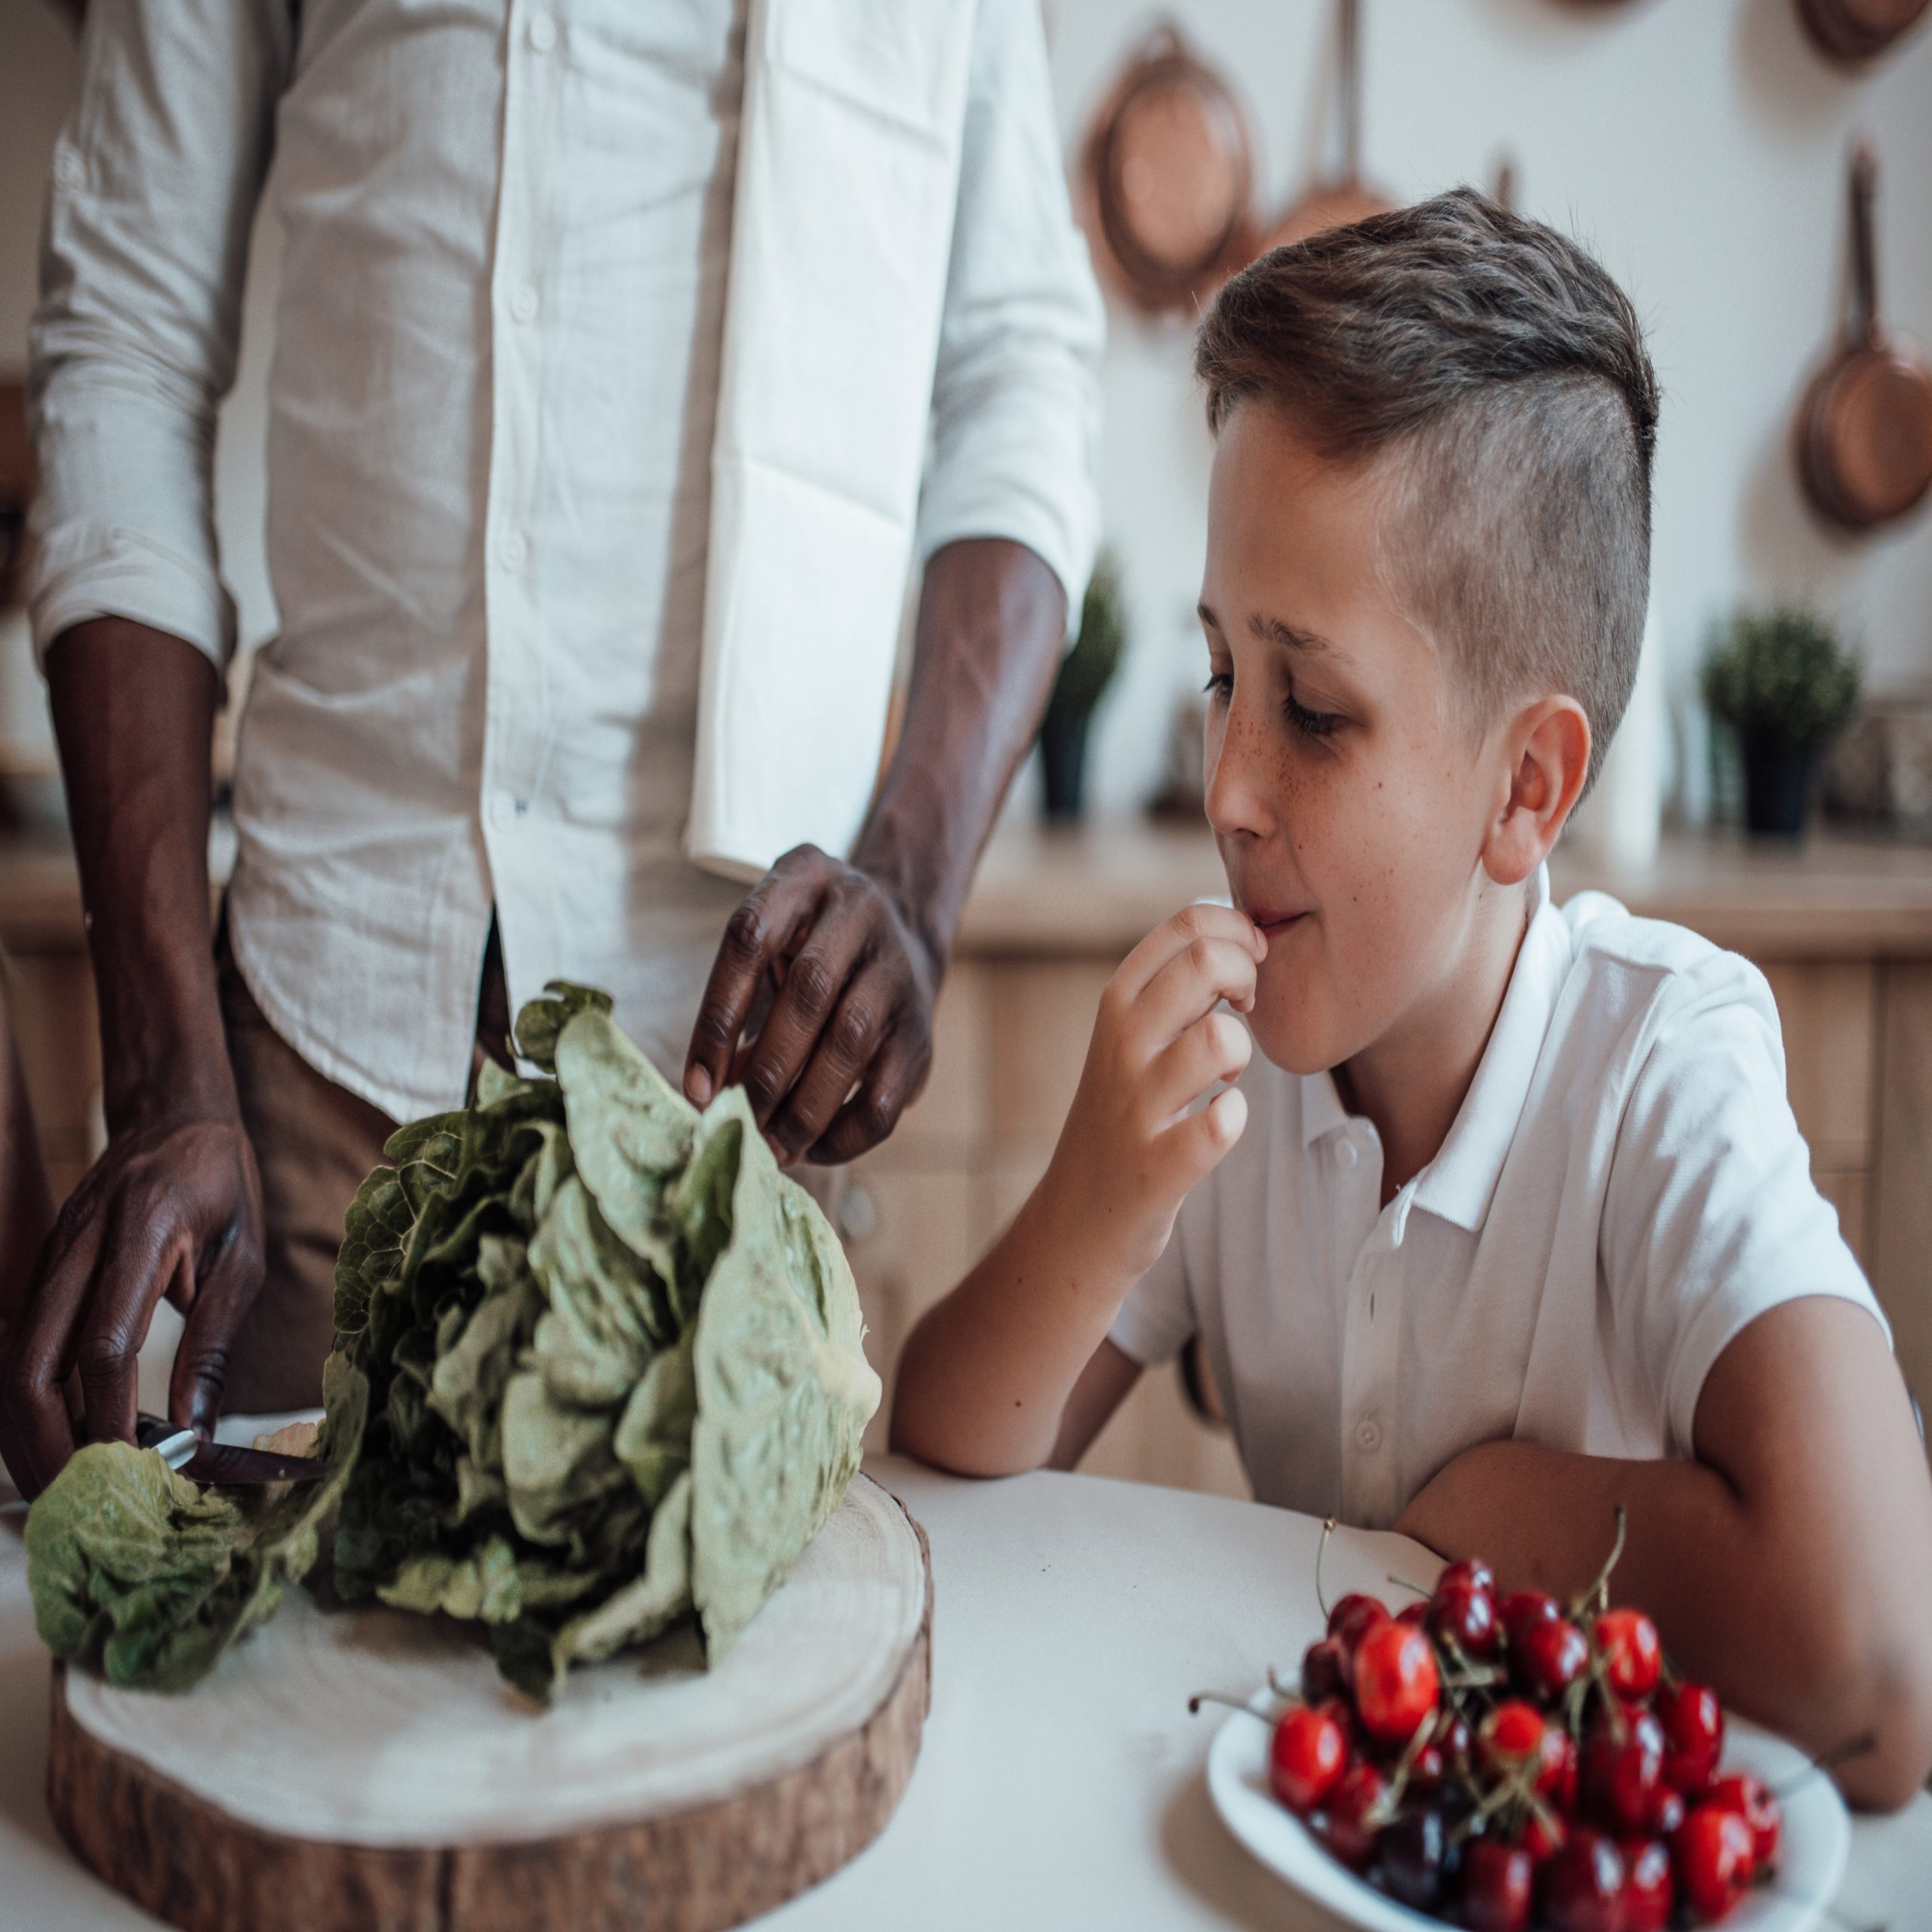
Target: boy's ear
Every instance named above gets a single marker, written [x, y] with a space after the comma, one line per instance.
[1548, 744]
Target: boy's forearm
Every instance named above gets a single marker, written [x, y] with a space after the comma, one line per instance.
[984, 1378]
[1737, 1608]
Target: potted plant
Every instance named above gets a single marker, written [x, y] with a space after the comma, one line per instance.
[1085, 672]
[1786, 687]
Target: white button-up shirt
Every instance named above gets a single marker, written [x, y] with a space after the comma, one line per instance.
[506, 226]
[1623, 1190]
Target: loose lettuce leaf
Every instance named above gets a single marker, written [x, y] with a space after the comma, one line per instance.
[542, 1020]
[157, 1575]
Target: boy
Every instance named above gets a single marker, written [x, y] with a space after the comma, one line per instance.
[1510, 1222]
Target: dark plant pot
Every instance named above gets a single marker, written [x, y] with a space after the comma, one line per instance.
[1063, 759]
[1778, 772]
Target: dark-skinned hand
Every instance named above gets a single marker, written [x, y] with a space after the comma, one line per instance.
[174, 1210]
[832, 976]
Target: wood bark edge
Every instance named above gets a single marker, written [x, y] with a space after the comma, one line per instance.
[712, 1865]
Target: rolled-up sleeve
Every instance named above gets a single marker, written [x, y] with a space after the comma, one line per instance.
[154, 186]
[1016, 400]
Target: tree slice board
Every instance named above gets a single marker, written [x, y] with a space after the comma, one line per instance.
[368, 1771]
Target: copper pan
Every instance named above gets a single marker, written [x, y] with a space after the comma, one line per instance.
[1168, 177]
[1865, 431]
[1857, 30]
[1346, 197]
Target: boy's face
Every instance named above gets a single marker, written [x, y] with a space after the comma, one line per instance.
[1349, 794]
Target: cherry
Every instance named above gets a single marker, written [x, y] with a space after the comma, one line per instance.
[1512, 1734]
[1453, 1739]
[1396, 1684]
[1650, 1891]
[1413, 1614]
[1693, 1722]
[1411, 1855]
[1632, 1655]
[1549, 1657]
[1471, 1573]
[1544, 1836]
[1714, 1860]
[1352, 1618]
[1521, 1608]
[1581, 1889]
[1497, 1879]
[1759, 1810]
[1351, 1820]
[1426, 1768]
[1668, 1810]
[1307, 1758]
[1325, 1671]
[1462, 1615]
[1556, 1772]
[1620, 1775]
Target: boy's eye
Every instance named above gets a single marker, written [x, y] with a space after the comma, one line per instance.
[1309, 724]
[1220, 684]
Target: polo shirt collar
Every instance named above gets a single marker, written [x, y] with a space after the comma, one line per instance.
[1458, 1184]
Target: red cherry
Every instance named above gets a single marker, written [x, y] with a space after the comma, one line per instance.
[1650, 1891]
[1620, 1776]
[1413, 1614]
[1352, 1618]
[1547, 1659]
[1713, 1859]
[1668, 1810]
[1521, 1608]
[1465, 1616]
[1581, 1889]
[1342, 1710]
[1307, 1758]
[1353, 1817]
[1471, 1573]
[1512, 1734]
[1693, 1722]
[1759, 1810]
[1324, 1672]
[1396, 1684]
[1544, 1836]
[1631, 1654]
[1453, 1739]
[1556, 1772]
[1497, 1880]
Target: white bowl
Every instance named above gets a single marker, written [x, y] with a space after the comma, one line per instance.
[1814, 1844]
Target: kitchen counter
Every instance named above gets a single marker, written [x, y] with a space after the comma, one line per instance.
[1060, 1780]
[1099, 888]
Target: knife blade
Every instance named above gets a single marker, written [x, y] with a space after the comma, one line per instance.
[221, 1462]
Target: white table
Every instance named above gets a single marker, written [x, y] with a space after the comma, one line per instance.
[1061, 1782]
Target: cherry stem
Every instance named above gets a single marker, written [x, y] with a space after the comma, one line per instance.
[1862, 1745]
[1600, 1589]
[1291, 1692]
[1320, 1551]
[1200, 1697]
[1403, 1584]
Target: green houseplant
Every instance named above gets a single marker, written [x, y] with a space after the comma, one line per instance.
[1783, 683]
[1085, 672]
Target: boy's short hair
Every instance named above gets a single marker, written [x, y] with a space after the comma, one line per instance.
[1504, 373]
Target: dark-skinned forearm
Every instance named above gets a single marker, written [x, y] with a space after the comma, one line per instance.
[992, 619]
[133, 711]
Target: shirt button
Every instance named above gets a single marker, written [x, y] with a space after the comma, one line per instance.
[510, 550]
[1368, 1435]
[523, 303]
[542, 33]
[1346, 1154]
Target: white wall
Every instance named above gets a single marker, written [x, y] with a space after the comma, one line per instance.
[1697, 145]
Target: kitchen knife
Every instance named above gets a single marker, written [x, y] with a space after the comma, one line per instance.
[221, 1462]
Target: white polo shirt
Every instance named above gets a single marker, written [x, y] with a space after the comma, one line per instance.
[1622, 1190]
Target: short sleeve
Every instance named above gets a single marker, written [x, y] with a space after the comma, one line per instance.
[1711, 1218]
[1156, 1320]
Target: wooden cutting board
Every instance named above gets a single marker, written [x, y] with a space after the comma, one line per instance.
[368, 1771]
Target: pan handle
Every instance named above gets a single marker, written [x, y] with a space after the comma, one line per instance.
[1864, 259]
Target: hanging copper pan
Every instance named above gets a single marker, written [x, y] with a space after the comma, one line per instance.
[1346, 197]
[1859, 29]
[1167, 176]
[1865, 432]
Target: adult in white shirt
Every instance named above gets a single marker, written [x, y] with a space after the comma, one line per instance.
[610, 344]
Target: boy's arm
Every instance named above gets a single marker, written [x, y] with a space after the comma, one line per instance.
[988, 1381]
[1789, 1567]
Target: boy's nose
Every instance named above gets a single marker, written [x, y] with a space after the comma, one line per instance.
[1237, 799]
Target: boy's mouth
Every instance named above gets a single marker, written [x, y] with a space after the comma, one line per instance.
[1272, 920]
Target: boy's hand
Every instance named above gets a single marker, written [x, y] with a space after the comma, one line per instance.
[1130, 1150]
